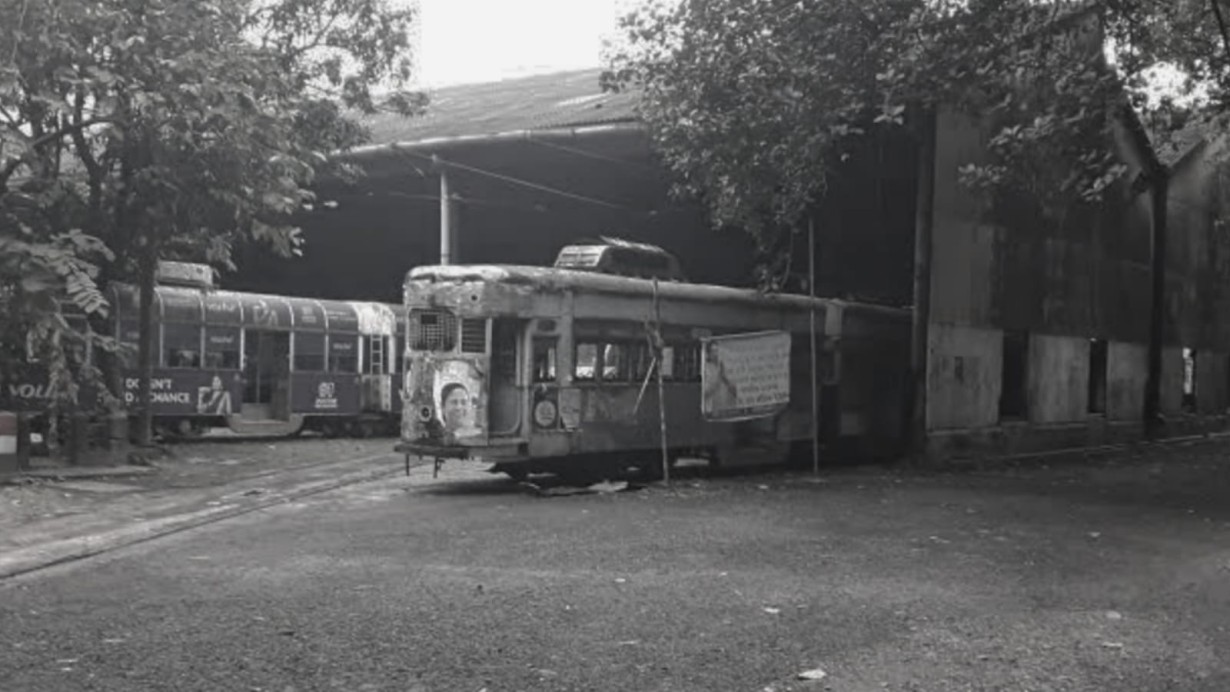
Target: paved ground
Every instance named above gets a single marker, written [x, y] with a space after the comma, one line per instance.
[1111, 575]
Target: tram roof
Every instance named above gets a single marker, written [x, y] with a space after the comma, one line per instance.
[551, 279]
[223, 307]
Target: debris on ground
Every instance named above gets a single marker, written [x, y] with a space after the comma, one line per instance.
[813, 674]
[602, 487]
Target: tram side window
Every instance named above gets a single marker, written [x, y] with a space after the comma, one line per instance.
[544, 360]
[181, 345]
[668, 362]
[615, 363]
[222, 348]
[687, 362]
[641, 361]
[309, 352]
[585, 368]
[343, 354]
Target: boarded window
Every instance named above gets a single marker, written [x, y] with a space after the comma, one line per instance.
[473, 335]
[1097, 375]
[544, 360]
[222, 348]
[585, 366]
[181, 345]
[343, 353]
[1013, 401]
[615, 363]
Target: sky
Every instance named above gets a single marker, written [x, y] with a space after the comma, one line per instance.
[466, 41]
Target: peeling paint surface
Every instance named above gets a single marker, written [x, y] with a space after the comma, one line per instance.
[447, 400]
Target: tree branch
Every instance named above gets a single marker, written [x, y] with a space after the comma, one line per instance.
[1221, 25]
[44, 139]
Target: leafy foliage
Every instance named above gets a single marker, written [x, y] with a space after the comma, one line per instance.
[753, 102]
[134, 130]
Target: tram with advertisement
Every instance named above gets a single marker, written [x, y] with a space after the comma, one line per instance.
[257, 364]
[552, 369]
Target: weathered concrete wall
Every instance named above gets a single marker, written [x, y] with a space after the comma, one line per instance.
[1212, 382]
[963, 377]
[1058, 379]
[961, 245]
[1198, 261]
[1126, 371]
[1064, 279]
[1172, 381]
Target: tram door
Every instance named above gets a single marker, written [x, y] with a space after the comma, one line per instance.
[266, 375]
[504, 407]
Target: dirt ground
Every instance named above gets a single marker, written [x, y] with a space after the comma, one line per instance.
[1110, 573]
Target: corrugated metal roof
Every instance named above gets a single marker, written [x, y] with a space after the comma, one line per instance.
[557, 100]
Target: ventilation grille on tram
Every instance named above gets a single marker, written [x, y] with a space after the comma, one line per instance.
[473, 335]
[432, 330]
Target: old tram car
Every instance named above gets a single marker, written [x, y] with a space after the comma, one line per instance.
[541, 369]
[257, 364]
[265, 363]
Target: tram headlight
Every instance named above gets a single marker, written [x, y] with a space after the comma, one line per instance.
[425, 413]
[545, 413]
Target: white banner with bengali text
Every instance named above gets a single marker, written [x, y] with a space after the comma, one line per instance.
[745, 376]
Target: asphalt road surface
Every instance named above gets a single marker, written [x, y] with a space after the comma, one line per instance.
[1111, 575]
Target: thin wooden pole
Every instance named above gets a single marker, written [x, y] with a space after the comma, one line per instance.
[657, 330]
[815, 374]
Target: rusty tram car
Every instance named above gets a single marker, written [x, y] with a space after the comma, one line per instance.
[257, 364]
[547, 369]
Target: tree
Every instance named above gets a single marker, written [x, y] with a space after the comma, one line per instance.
[752, 102]
[166, 129]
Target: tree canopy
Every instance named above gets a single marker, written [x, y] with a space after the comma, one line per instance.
[138, 130]
[752, 103]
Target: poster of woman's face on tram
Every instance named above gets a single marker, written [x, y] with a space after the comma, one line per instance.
[460, 404]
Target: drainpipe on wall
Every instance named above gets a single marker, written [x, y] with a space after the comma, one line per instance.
[1159, 180]
[924, 220]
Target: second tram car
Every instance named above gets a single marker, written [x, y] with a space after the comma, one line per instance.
[256, 363]
[548, 369]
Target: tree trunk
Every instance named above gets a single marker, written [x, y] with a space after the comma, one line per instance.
[147, 267]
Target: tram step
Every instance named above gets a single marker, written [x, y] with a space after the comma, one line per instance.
[264, 428]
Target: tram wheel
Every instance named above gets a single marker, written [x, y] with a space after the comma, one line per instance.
[187, 428]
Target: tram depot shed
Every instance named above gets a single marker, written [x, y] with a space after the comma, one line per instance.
[1031, 334]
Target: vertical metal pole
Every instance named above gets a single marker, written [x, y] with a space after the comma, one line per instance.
[446, 218]
[924, 222]
[1157, 304]
[815, 371]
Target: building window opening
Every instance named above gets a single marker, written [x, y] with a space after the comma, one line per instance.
[1189, 380]
[1097, 375]
[1013, 400]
